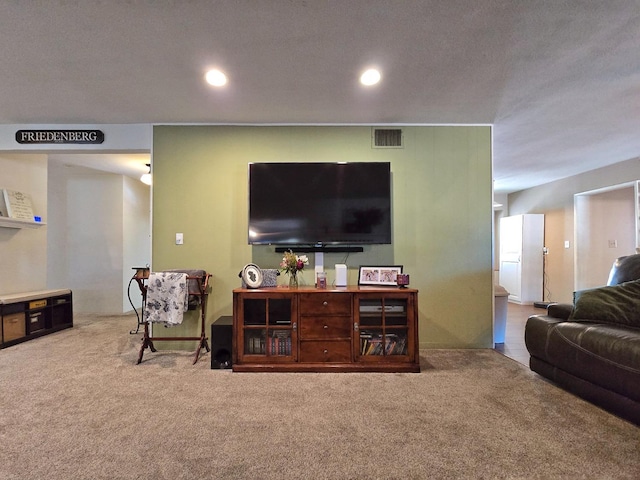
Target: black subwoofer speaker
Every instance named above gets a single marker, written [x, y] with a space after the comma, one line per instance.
[221, 338]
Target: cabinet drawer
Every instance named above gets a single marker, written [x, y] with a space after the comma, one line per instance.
[325, 351]
[35, 321]
[325, 304]
[324, 328]
[38, 304]
[14, 326]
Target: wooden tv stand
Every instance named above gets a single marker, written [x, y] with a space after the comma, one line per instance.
[305, 329]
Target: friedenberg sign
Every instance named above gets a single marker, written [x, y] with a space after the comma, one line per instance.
[60, 136]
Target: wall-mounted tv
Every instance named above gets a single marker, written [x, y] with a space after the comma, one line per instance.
[320, 203]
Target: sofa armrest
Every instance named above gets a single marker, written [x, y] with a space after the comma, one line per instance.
[536, 333]
[559, 310]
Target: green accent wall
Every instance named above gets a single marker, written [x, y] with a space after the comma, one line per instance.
[442, 215]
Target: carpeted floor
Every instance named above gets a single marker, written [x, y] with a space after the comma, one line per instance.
[74, 405]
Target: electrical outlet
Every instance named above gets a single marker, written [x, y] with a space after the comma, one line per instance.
[613, 243]
[567, 244]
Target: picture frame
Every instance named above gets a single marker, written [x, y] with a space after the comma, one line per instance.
[17, 205]
[378, 275]
[251, 276]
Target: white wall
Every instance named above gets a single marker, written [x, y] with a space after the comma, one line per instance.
[23, 257]
[136, 217]
[102, 225]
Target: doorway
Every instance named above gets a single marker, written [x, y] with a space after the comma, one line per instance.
[96, 225]
[606, 227]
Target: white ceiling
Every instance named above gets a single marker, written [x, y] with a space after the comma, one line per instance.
[559, 80]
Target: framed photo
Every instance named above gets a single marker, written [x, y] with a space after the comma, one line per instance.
[379, 275]
[251, 275]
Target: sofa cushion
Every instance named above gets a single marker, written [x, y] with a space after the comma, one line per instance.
[604, 354]
[618, 304]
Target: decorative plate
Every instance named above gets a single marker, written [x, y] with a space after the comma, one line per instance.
[252, 275]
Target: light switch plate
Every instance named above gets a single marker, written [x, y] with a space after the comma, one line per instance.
[179, 239]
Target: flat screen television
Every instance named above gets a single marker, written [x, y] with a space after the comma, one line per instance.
[320, 203]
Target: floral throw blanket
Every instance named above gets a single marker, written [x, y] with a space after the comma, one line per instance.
[167, 298]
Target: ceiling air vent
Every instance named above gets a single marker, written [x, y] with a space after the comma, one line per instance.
[387, 138]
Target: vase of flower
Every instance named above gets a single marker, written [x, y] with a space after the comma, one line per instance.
[292, 264]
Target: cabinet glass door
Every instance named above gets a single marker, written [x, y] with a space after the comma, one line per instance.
[383, 327]
[268, 328]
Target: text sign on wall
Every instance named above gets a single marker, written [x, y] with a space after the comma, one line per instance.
[60, 136]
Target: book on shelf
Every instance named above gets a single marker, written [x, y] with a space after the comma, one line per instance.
[401, 347]
[389, 344]
[280, 343]
[255, 345]
[372, 346]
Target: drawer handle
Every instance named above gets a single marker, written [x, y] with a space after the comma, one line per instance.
[325, 303]
[326, 326]
[325, 351]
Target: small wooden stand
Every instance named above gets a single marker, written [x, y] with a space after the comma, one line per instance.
[142, 273]
[203, 287]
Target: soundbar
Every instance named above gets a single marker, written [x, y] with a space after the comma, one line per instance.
[325, 249]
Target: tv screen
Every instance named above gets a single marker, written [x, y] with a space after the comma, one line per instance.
[320, 203]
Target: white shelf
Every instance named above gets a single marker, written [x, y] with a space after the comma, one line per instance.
[18, 223]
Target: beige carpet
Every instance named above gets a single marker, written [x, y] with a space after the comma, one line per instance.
[74, 405]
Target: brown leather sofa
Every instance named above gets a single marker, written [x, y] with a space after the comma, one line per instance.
[592, 348]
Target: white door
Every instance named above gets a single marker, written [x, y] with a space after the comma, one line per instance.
[511, 255]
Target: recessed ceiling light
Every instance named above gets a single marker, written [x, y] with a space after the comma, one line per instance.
[370, 77]
[216, 78]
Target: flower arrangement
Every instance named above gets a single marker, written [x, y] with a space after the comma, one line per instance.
[292, 264]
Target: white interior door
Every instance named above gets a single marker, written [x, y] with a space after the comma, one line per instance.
[511, 255]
